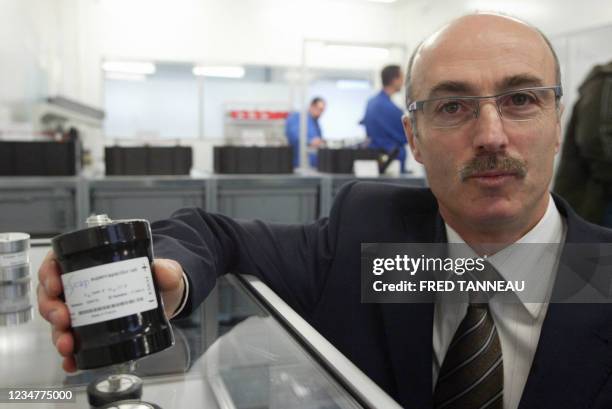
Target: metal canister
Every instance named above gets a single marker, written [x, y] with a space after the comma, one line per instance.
[14, 248]
[116, 310]
[15, 305]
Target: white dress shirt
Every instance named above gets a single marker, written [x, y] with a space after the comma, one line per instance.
[518, 324]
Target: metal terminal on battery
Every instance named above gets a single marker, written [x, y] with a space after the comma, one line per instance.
[117, 383]
[98, 220]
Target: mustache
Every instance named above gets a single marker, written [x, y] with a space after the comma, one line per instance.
[486, 163]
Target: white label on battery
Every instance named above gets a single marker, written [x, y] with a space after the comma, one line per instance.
[13, 259]
[110, 291]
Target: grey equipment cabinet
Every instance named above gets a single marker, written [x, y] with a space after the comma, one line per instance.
[145, 197]
[272, 198]
[39, 206]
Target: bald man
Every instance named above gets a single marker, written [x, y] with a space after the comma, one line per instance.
[484, 119]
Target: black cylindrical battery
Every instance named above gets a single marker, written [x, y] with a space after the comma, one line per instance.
[115, 307]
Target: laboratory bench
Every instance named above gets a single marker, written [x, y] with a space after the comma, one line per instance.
[243, 348]
[45, 206]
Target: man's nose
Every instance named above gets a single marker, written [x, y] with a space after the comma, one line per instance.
[489, 133]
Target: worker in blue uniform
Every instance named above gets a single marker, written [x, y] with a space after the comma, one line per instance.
[383, 119]
[314, 133]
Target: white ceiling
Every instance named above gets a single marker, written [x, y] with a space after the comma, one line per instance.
[552, 16]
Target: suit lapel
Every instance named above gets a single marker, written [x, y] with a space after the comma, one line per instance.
[408, 327]
[573, 359]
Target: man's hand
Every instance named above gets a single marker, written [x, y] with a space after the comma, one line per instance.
[169, 277]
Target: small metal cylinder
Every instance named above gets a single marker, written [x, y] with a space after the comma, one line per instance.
[14, 242]
[14, 249]
[15, 306]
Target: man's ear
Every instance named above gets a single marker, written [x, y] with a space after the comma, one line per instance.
[560, 111]
[411, 136]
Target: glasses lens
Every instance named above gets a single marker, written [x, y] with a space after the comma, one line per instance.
[524, 105]
[449, 112]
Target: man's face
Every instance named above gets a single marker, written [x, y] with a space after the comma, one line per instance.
[486, 55]
[316, 109]
[398, 83]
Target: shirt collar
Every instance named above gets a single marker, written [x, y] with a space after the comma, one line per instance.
[511, 266]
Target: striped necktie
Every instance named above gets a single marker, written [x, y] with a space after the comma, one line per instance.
[472, 376]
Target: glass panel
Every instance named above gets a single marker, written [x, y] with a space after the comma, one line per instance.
[229, 353]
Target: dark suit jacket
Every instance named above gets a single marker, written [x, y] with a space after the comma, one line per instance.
[315, 268]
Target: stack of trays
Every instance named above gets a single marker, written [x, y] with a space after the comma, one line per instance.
[341, 160]
[253, 159]
[15, 306]
[148, 160]
[38, 158]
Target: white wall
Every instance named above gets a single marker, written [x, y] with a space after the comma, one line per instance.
[268, 32]
[553, 17]
[578, 52]
[26, 55]
[46, 50]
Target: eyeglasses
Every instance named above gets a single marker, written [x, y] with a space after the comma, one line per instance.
[518, 105]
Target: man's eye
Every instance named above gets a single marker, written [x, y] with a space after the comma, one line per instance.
[521, 98]
[451, 107]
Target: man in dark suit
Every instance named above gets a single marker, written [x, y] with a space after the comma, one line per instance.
[485, 122]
